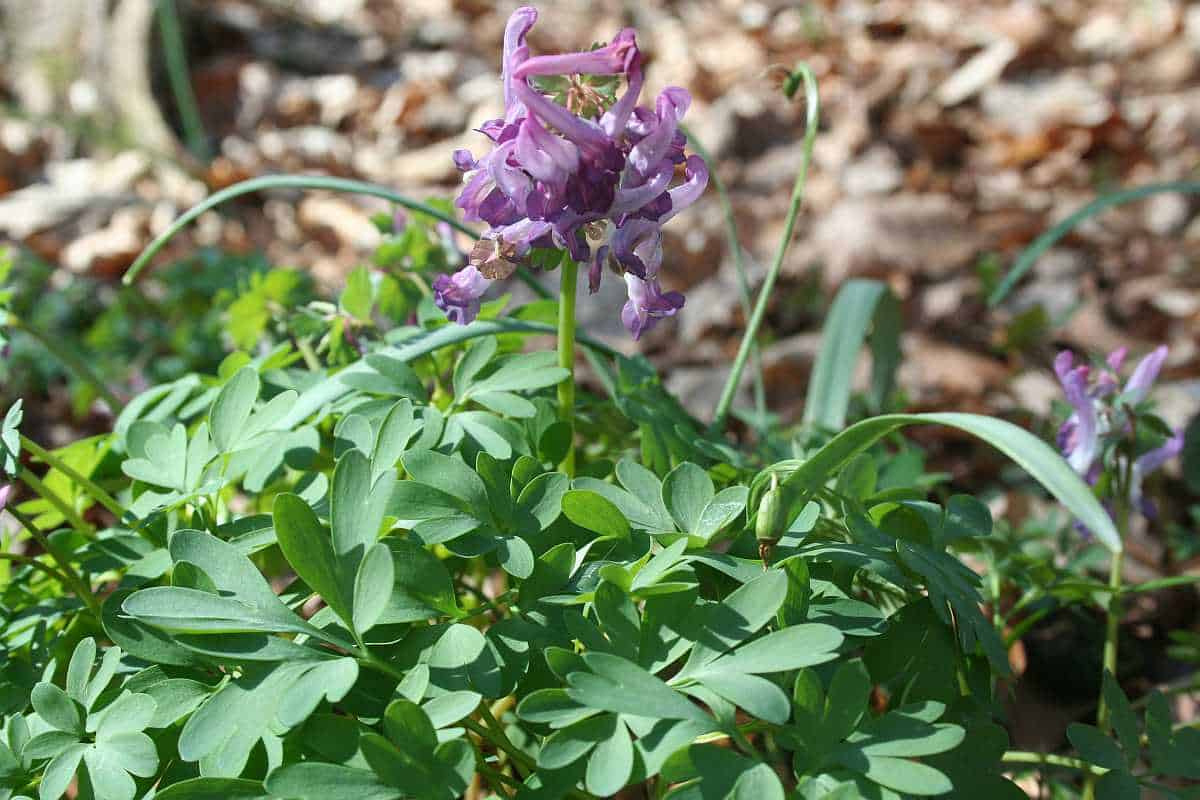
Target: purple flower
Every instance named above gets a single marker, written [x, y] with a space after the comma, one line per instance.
[1079, 437]
[458, 294]
[647, 304]
[1144, 374]
[1099, 414]
[581, 171]
[5, 491]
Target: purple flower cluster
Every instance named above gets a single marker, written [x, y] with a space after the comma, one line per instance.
[1096, 418]
[591, 175]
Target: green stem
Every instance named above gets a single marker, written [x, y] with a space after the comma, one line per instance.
[812, 113]
[54, 462]
[1048, 760]
[175, 55]
[38, 565]
[1112, 615]
[505, 746]
[566, 357]
[60, 505]
[739, 264]
[306, 182]
[71, 578]
[497, 779]
[1111, 633]
[69, 359]
[306, 352]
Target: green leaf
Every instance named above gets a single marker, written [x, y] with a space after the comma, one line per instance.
[213, 789]
[357, 504]
[739, 616]
[515, 556]
[846, 701]
[646, 487]
[309, 549]
[542, 497]
[566, 746]
[372, 587]
[248, 604]
[165, 462]
[56, 708]
[473, 361]
[554, 442]
[686, 491]
[56, 776]
[409, 728]
[611, 764]
[617, 684]
[10, 439]
[449, 475]
[718, 512]
[316, 781]
[1026, 450]
[795, 605]
[1095, 747]
[1123, 720]
[723, 775]
[758, 696]
[595, 513]
[131, 712]
[1118, 785]
[422, 586]
[399, 428]
[79, 670]
[223, 731]
[358, 296]
[791, 648]
[525, 372]
[232, 408]
[860, 306]
[451, 707]
[906, 776]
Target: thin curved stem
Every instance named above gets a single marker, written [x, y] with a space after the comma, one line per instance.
[72, 578]
[306, 182]
[61, 506]
[88, 485]
[38, 565]
[812, 114]
[566, 357]
[739, 264]
[1048, 760]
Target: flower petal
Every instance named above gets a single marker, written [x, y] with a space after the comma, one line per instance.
[1144, 374]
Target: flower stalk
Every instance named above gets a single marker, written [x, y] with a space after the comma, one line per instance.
[566, 357]
[88, 485]
[812, 112]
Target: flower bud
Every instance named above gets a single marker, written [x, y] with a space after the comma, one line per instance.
[772, 520]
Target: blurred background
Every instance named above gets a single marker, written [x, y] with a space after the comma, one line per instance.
[953, 133]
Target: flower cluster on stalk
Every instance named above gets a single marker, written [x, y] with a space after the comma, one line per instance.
[1103, 418]
[585, 171]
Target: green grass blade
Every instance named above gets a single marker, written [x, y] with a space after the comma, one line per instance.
[1051, 237]
[305, 182]
[1027, 451]
[861, 307]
